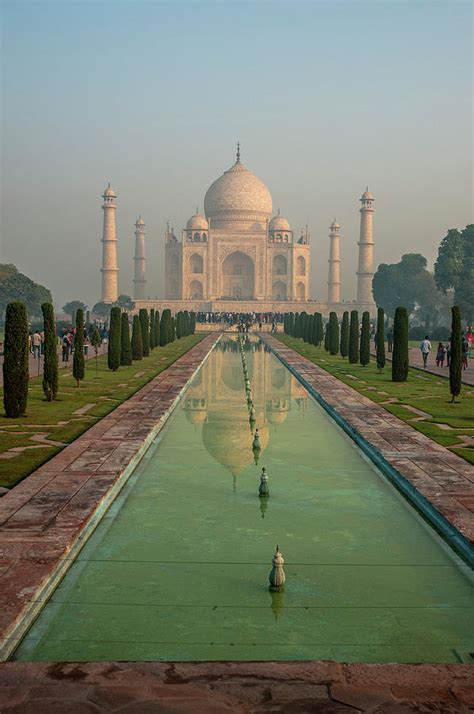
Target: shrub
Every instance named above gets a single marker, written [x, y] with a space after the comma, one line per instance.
[137, 344]
[365, 339]
[354, 337]
[15, 360]
[50, 363]
[78, 366]
[145, 327]
[400, 346]
[333, 334]
[344, 346]
[125, 345]
[455, 361]
[380, 339]
[113, 352]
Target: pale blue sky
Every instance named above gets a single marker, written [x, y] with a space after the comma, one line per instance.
[325, 97]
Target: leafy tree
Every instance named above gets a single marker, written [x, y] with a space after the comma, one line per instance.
[78, 366]
[165, 327]
[71, 307]
[449, 263]
[380, 339]
[455, 361]
[145, 325]
[344, 346]
[464, 293]
[319, 329]
[152, 329]
[50, 364]
[137, 344]
[96, 341]
[114, 346]
[101, 309]
[14, 286]
[156, 328]
[15, 360]
[125, 346]
[354, 337]
[333, 334]
[400, 346]
[365, 339]
[125, 302]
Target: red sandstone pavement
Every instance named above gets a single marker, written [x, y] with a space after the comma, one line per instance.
[416, 360]
[444, 479]
[42, 518]
[224, 687]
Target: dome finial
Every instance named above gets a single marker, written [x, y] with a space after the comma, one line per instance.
[278, 211]
[238, 151]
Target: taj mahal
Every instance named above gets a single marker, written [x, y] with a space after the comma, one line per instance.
[238, 256]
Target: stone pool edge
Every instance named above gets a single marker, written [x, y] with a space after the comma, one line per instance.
[456, 523]
[47, 518]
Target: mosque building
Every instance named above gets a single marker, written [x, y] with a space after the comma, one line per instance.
[237, 257]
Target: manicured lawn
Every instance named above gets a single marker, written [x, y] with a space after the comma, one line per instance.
[59, 421]
[444, 422]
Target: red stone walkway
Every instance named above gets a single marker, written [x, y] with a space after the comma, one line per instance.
[46, 516]
[234, 687]
[416, 360]
[445, 480]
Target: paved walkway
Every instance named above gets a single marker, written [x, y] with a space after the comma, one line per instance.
[445, 480]
[42, 518]
[35, 366]
[416, 360]
[233, 688]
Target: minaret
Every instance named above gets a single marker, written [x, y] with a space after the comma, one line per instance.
[139, 280]
[365, 271]
[109, 268]
[334, 276]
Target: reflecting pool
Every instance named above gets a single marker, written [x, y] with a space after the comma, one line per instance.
[178, 567]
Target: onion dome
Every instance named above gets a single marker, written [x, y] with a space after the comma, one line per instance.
[109, 191]
[367, 196]
[197, 222]
[140, 221]
[237, 196]
[334, 224]
[278, 223]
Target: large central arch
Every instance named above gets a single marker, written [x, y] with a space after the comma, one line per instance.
[238, 277]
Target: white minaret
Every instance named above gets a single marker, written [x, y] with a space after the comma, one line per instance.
[139, 280]
[365, 271]
[334, 276]
[109, 268]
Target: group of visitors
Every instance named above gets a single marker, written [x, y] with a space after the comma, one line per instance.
[238, 318]
[65, 341]
[443, 351]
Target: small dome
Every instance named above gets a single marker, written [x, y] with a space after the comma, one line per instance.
[367, 196]
[278, 223]
[109, 191]
[334, 224]
[140, 221]
[197, 222]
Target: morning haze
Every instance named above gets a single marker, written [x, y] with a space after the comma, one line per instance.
[325, 98]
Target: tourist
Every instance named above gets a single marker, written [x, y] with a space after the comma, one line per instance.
[464, 350]
[425, 348]
[440, 355]
[65, 345]
[36, 344]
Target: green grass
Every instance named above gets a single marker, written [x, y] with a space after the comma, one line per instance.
[105, 391]
[424, 391]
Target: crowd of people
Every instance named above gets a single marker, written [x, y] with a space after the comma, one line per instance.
[443, 350]
[245, 321]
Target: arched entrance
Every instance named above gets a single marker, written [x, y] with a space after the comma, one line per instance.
[279, 290]
[195, 290]
[300, 292]
[238, 277]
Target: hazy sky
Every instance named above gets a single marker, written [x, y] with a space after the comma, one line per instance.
[325, 97]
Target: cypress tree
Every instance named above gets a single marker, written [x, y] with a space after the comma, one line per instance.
[319, 331]
[455, 361]
[178, 324]
[78, 366]
[291, 324]
[125, 345]
[113, 353]
[344, 346]
[297, 325]
[326, 337]
[187, 330]
[354, 337]
[333, 334]
[365, 340]
[152, 329]
[137, 344]
[380, 339]
[50, 364]
[96, 341]
[15, 360]
[165, 327]
[156, 328]
[192, 320]
[310, 329]
[305, 326]
[400, 346]
[145, 326]
[173, 329]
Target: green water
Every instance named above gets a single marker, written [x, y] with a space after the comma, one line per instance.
[178, 568]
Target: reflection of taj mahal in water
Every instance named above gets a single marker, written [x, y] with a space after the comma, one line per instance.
[216, 402]
[235, 256]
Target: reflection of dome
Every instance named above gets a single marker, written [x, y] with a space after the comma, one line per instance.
[197, 223]
[238, 195]
[228, 439]
[196, 410]
[277, 410]
[278, 223]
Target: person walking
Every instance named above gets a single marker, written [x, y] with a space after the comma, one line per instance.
[36, 345]
[440, 355]
[425, 348]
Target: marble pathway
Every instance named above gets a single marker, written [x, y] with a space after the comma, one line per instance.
[441, 477]
[43, 517]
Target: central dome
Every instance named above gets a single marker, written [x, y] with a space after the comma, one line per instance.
[237, 196]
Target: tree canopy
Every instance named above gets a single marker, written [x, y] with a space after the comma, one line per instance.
[16, 286]
[454, 268]
[71, 307]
